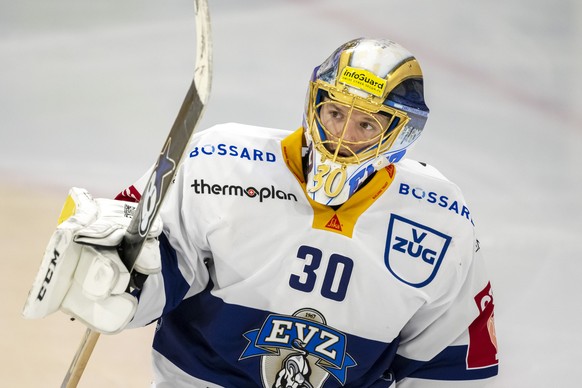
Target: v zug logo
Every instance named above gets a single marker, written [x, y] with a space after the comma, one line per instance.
[414, 252]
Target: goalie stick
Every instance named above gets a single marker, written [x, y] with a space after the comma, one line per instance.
[161, 177]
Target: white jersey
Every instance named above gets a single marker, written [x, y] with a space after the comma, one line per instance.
[263, 287]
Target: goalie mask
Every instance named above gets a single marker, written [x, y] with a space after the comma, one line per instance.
[365, 108]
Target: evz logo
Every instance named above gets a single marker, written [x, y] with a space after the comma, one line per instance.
[414, 252]
[151, 197]
[299, 351]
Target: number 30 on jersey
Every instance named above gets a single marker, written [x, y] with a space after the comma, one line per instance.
[336, 276]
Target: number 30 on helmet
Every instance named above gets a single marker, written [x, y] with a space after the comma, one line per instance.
[365, 108]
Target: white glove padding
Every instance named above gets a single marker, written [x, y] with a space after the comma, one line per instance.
[109, 228]
[81, 272]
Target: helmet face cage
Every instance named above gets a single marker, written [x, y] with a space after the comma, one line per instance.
[330, 144]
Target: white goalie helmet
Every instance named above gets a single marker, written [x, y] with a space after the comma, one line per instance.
[364, 109]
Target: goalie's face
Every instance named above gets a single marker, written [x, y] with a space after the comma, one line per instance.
[349, 130]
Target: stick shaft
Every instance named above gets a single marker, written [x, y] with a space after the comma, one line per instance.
[81, 359]
[182, 130]
[170, 156]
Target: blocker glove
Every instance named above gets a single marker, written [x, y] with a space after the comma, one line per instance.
[81, 272]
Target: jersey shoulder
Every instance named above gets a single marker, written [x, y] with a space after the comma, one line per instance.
[426, 188]
[426, 174]
[241, 132]
[232, 146]
[422, 169]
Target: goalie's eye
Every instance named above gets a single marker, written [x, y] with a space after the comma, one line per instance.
[371, 125]
[331, 112]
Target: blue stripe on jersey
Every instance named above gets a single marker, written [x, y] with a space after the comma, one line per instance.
[204, 337]
[450, 364]
[175, 285]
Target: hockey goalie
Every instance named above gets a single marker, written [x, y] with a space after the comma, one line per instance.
[322, 257]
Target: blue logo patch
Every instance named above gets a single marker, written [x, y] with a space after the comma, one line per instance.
[297, 337]
[414, 252]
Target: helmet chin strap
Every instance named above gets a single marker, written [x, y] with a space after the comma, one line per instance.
[380, 162]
